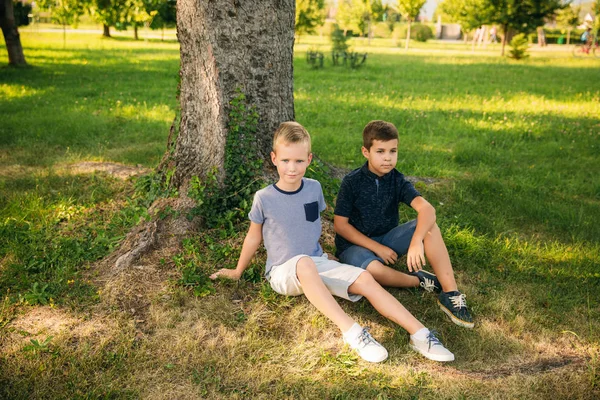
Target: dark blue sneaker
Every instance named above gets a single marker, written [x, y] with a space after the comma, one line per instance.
[454, 304]
[428, 281]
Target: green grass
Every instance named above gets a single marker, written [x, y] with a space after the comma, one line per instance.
[513, 149]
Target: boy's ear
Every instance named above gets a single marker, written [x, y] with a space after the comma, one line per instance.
[309, 157]
[364, 151]
[273, 157]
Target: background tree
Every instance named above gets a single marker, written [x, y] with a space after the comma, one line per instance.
[11, 34]
[596, 12]
[568, 18]
[351, 16]
[521, 16]
[225, 48]
[64, 12]
[21, 11]
[310, 14]
[410, 10]
[138, 14]
[469, 14]
[164, 14]
[110, 13]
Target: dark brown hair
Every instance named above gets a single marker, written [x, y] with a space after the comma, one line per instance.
[378, 130]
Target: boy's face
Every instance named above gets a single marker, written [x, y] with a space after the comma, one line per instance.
[382, 156]
[291, 160]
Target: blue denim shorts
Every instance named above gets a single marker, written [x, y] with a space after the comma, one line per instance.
[398, 239]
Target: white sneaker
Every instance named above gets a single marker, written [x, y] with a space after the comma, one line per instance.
[368, 348]
[431, 348]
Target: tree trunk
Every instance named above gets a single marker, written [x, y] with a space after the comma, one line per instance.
[568, 36]
[228, 45]
[11, 34]
[135, 32]
[407, 35]
[106, 32]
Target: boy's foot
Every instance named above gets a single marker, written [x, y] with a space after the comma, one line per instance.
[368, 348]
[454, 304]
[431, 348]
[428, 281]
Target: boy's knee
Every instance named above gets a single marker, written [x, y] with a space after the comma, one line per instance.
[305, 266]
[362, 284]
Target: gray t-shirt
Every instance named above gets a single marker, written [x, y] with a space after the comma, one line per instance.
[291, 221]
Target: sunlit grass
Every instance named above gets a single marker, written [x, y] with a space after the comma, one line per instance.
[512, 148]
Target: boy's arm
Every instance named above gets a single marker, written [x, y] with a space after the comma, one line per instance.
[353, 235]
[415, 258]
[251, 244]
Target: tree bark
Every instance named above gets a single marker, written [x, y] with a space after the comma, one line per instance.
[106, 32]
[225, 46]
[11, 34]
[135, 32]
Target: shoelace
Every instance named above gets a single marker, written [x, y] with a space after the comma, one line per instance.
[428, 284]
[432, 340]
[459, 301]
[365, 337]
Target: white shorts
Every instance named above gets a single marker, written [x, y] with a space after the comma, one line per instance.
[337, 277]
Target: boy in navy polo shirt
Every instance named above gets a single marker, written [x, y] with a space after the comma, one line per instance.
[367, 231]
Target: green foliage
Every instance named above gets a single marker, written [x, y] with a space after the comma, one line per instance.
[568, 17]
[339, 41]
[310, 14]
[410, 9]
[470, 14]
[226, 204]
[37, 295]
[21, 13]
[353, 15]
[164, 13]
[418, 32]
[64, 12]
[37, 347]
[519, 45]
[192, 275]
[110, 12]
[521, 16]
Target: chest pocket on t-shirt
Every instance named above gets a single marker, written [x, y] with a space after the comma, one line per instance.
[311, 210]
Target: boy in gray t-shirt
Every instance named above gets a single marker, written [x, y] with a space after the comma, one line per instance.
[287, 216]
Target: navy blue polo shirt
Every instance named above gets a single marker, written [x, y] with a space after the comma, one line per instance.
[371, 202]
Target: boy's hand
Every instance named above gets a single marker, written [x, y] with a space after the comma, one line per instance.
[226, 273]
[388, 255]
[415, 258]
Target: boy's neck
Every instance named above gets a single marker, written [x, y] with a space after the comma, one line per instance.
[288, 187]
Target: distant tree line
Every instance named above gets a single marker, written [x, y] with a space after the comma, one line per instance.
[120, 14]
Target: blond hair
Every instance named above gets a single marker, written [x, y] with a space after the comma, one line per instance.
[291, 132]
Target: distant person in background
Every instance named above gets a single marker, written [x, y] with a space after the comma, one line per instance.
[586, 37]
[493, 32]
[541, 37]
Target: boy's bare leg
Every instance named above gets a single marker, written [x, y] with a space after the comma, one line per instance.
[437, 255]
[387, 276]
[319, 296]
[384, 302]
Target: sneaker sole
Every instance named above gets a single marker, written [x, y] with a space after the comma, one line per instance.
[457, 321]
[433, 357]
[374, 360]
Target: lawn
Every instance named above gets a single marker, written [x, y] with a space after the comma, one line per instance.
[510, 151]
